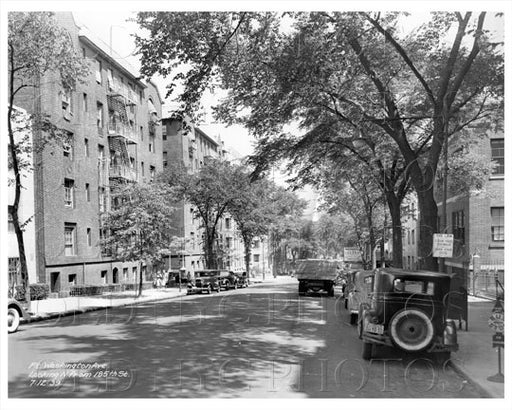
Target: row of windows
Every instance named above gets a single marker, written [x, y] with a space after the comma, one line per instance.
[72, 277]
[498, 155]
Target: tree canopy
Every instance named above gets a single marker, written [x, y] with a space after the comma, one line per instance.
[344, 76]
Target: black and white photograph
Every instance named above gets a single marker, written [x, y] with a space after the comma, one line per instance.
[254, 200]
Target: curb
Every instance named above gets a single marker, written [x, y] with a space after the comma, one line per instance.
[56, 315]
[481, 389]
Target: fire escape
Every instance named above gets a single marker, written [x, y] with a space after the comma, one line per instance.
[121, 133]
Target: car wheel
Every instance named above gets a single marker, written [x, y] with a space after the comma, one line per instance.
[13, 320]
[411, 330]
[353, 318]
[367, 351]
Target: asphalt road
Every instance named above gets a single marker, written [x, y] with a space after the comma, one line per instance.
[263, 341]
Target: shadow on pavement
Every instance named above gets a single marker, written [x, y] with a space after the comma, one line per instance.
[265, 342]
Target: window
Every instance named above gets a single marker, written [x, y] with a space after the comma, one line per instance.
[142, 133]
[104, 276]
[69, 187]
[125, 274]
[229, 243]
[413, 234]
[408, 237]
[67, 148]
[67, 109]
[69, 239]
[86, 147]
[256, 244]
[164, 155]
[498, 224]
[85, 103]
[151, 173]
[413, 286]
[84, 54]
[72, 279]
[256, 258]
[142, 168]
[151, 143]
[134, 273]
[458, 226]
[98, 71]
[89, 239]
[10, 222]
[164, 133]
[102, 198]
[87, 193]
[99, 117]
[498, 155]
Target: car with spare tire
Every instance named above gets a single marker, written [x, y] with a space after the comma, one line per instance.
[15, 314]
[208, 280]
[408, 310]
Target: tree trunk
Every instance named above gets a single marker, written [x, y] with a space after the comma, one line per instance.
[247, 254]
[211, 262]
[396, 220]
[428, 225]
[139, 293]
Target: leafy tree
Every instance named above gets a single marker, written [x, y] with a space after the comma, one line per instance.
[38, 49]
[251, 209]
[210, 191]
[138, 227]
[333, 233]
[356, 69]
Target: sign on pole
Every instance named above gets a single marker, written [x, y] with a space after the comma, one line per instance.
[442, 245]
[352, 254]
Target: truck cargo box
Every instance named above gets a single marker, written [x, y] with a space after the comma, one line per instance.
[320, 269]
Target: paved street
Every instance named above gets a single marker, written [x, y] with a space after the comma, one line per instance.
[258, 342]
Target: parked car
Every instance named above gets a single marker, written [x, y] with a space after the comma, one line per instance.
[15, 312]
[316, 276]
[242, 281]
[359, 292]
[228, 280]
[207, 280]
[408, 310]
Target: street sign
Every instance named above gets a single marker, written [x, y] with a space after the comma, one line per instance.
[497, 319]
[498, 340]
[442, 246]
[352, 255]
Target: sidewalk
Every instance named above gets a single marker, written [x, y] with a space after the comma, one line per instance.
[476, 358]
[58, 307]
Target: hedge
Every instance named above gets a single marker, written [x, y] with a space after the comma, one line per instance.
[38, 291]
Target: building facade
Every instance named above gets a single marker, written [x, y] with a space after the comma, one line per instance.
[113, 136]
[478, 224]
[191, 147]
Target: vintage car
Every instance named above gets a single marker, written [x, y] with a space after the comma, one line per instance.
[242, 280]
[207, 280]
[15, 312]
[408, 310]
[316, 276]
[228, 280]
[358, 292]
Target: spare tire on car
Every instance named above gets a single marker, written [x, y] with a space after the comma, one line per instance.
[411, 330]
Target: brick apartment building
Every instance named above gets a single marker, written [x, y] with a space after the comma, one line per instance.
[477, 222]
[191, 148]
[114, 136]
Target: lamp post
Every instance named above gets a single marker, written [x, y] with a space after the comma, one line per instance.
[475, 257]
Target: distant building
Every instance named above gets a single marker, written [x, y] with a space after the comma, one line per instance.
[477, 222]
[111, 120]
[192, 147]
[410, 232]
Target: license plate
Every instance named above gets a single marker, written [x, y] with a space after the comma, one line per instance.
[372, 328]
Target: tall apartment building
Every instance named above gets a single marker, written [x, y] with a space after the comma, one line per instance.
[410, 232]
[477, 221]
[111, 120]
[191, 148]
